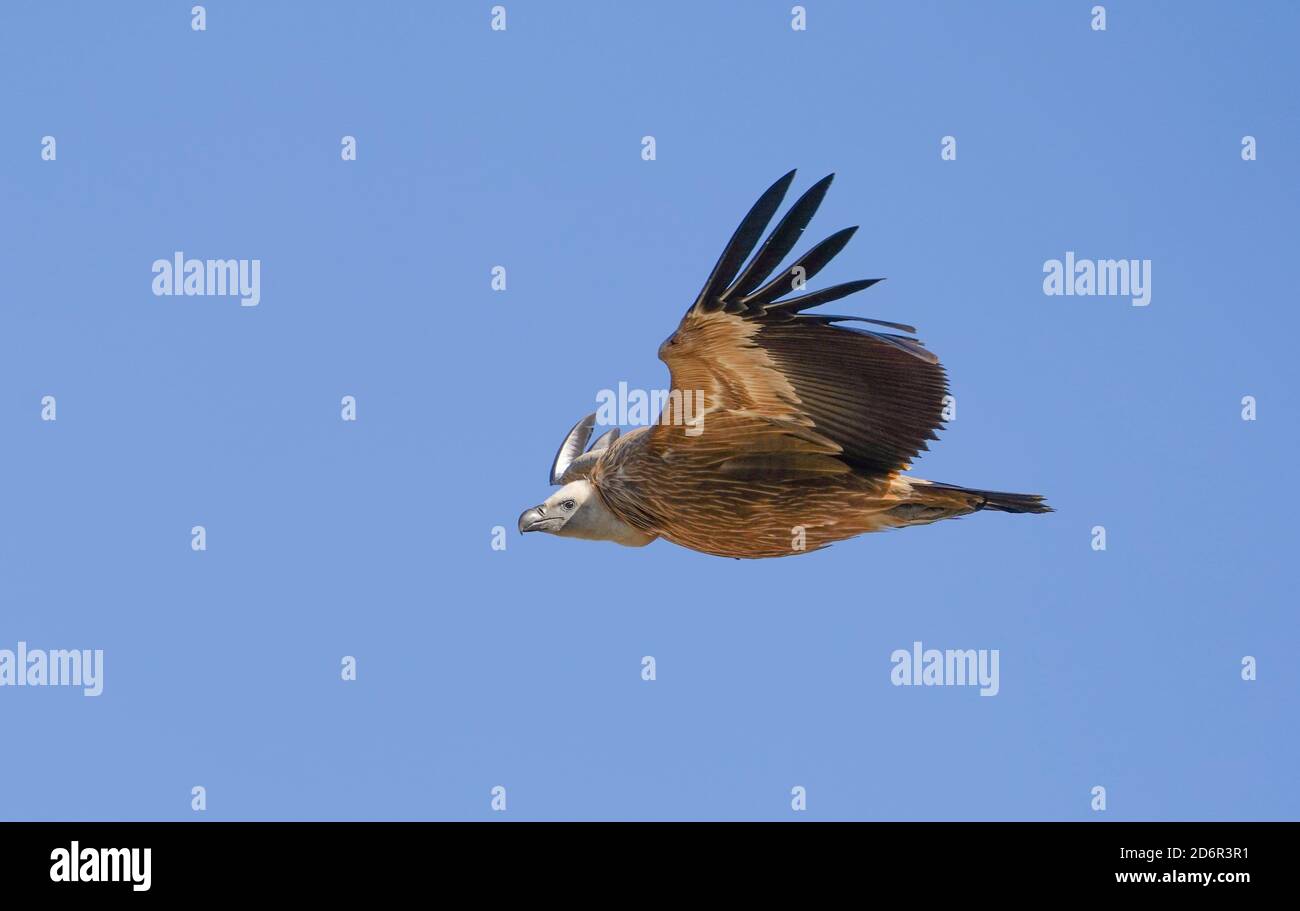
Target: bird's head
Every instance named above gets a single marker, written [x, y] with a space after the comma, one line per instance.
[577, 510]
[568, 512]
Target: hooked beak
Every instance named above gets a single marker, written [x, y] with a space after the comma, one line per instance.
[531, 520]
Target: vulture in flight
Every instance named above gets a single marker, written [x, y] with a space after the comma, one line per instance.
[803, 431]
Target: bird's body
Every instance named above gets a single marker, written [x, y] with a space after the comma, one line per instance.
[804, 429]
[713, 507]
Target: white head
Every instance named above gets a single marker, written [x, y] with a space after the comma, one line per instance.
[577, 510]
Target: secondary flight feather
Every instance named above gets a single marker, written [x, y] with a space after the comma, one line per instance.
[802, 426]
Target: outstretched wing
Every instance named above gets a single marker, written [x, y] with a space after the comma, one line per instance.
[748, 346]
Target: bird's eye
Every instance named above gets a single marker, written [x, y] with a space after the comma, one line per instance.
[568, 504]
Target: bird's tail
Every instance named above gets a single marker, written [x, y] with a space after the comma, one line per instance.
[995, 499]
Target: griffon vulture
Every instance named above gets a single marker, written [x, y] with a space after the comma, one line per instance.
[805, 425]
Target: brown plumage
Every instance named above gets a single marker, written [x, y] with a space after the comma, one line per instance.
[805, 426]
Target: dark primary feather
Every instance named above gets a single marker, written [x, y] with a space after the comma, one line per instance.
[811, 262]
[741, 244]
[731, 289]
[832, 318]
[780, 242]
[824, 296]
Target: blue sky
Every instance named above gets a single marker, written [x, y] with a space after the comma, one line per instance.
[521, 667]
